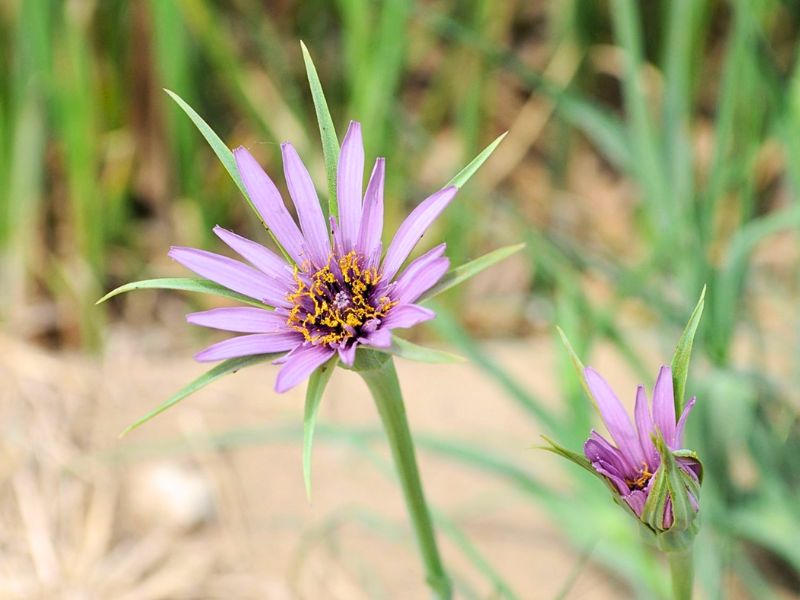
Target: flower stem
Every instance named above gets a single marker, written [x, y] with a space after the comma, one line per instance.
[381, 378]
[681, 568]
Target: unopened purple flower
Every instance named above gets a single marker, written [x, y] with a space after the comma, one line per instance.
[632, 465]
[336, 294]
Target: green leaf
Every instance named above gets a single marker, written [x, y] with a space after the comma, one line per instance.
[410, 351]
[316, 386]
[683, 353]
[229, 366]
[468, 270]
[578, 364]
[327, 132]
[187, 284]
[468, 171]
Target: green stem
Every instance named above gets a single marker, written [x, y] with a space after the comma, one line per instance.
[381, 378]
[681, 568]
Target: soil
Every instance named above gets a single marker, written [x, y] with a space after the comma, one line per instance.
[162, 513]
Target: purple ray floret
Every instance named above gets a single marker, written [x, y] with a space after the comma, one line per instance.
[334, 293]
[631, 464]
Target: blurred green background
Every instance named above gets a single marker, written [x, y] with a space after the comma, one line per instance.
[654, 147]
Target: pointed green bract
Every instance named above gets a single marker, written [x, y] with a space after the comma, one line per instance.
[217, 145]
[186, 284]
[229, 366]
[411, 351]
[672, 483]
[577, 363]
[226, 158]
[327, 132]
[683, 353]
[574, 457]
[468, 171]
[316, 386]
[468, 270]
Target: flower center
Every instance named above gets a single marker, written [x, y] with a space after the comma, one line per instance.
[640, 482]
[337, 302]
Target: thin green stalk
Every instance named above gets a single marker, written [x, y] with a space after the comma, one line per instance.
[681, 568]
[381, 379]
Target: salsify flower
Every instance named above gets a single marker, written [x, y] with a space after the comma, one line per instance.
[632, 466]
[337, 293]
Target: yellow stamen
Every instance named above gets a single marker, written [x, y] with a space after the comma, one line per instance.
[340, 309]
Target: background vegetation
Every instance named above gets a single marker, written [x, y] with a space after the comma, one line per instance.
[654, 148]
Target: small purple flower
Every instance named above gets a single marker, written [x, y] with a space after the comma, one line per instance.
[336, 294]
[632, 465]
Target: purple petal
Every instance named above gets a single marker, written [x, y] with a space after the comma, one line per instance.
[413, 228]
[349, 184]
[348, 354]
[644, 427]
[381, 338]
[668, 513]
[678, 439]
[267, 200]
[245, 345]
[636, 500]
[664, 405]
[257, 255]
[406, 315]
[620, 484]
[232, 274]
[421, 275]
[597, 450]
[306, 201]
[616, 419]
[240, 319]
[300, 365]
[369, 234]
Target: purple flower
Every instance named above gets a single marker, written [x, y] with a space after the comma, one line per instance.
[336, 293]
[633, 464]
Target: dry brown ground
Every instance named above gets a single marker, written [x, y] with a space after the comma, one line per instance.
[77, 522]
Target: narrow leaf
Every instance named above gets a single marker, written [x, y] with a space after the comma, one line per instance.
[229, 366]
[226, 158]
[316, 386]
[217, 145]
[186, 284]
[468, 171]
[410, 351]
[468, 270]
[578, 459]
[683, 353]
[327, 132]
[577, 363]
